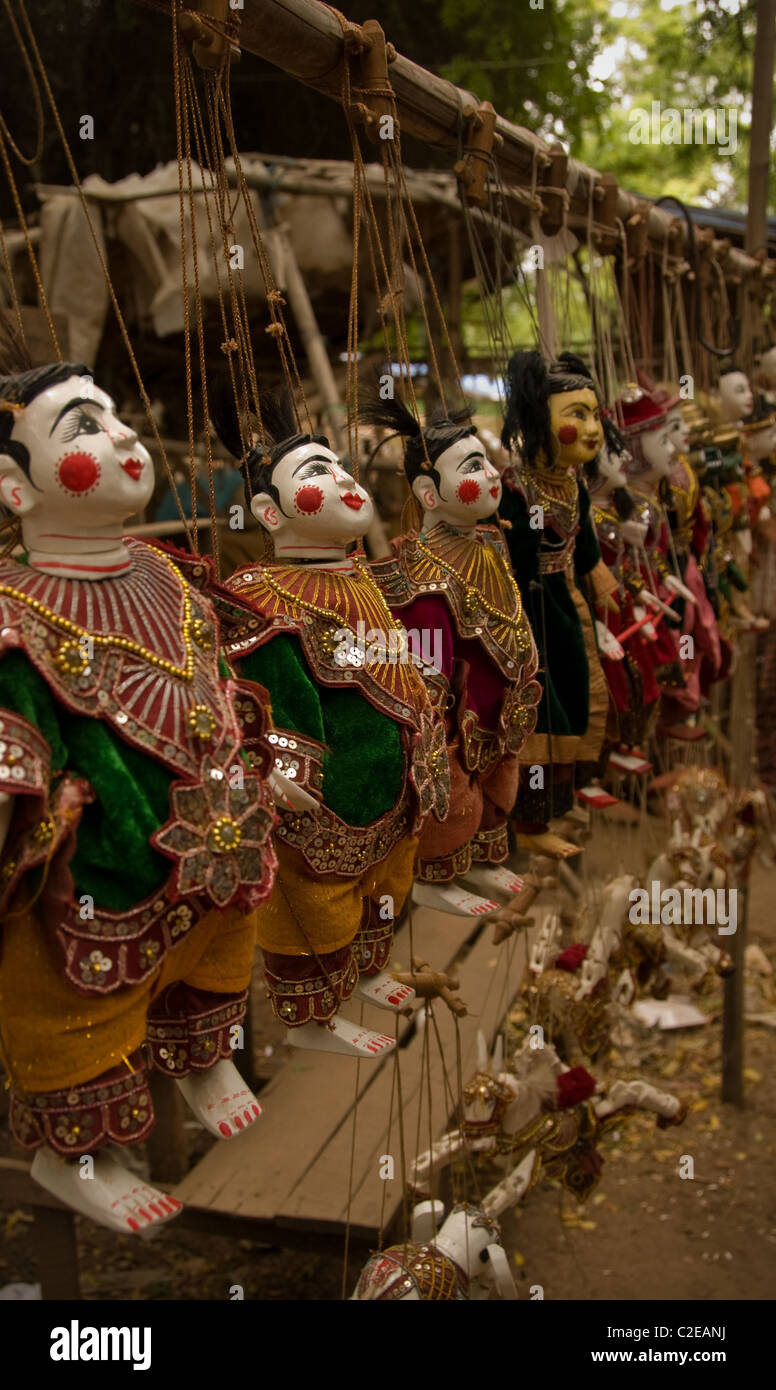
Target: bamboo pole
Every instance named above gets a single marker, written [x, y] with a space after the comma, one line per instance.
[743, 762]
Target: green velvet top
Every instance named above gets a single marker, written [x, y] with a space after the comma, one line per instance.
[113, 862]
[363, 765]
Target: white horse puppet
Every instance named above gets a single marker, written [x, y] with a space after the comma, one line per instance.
[458, 1258]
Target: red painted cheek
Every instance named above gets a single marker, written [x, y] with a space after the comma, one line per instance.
[468, 491]
[309, 500]
[568, 434]
[78, 473]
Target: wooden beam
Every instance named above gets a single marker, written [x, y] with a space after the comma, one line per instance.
[305, 39]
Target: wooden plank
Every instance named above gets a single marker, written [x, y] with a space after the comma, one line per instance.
[253, 1175]
[320, 1198]
[18, 1188]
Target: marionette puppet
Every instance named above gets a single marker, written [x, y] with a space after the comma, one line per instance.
[734, 394]
[352, 726]
[690, 537]
[135, 840]
[450, 584]
[626, 660]
[765, 376]
[553, 425]
[642, 419]
[745, 487]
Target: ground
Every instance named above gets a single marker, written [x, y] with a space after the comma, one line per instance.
[645, 1232]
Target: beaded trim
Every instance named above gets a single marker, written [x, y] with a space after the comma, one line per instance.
[554, 561]
[298, 758]
[194, 1042]
[108, 950]
[25, 757]
[479, 747]
[491, 846]
[304, 992]
[458, 569]
[395, 1272]
[115, 1108]
[393, 686]
[372, 945]
[446, 867]
[114, 677]
[329, 845]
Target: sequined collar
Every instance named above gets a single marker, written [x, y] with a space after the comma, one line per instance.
[347, 630]
[146, 611]
[558, 496]
[473, 575]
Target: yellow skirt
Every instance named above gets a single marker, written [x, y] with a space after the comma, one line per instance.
[52, 1037]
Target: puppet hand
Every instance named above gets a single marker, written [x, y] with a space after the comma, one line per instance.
[288, 795]
[633, 532]
[675, 586]
[607, 643]
[647, 630]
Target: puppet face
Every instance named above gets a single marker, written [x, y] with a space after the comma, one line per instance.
[680, 430]
[658, 449]
[469, 485]
[575, 421]
[735, 395]
[320, 503]
[86, 468]
[612, 469]
[761, 443]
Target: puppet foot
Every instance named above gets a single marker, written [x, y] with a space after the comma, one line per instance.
[112, 1196]
[449, 898]
[220, 1099]
[643, 1096]
[549, 844]
[490, 879]
[385, 991]
[340, 1035]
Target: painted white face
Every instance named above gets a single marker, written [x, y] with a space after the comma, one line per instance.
[611, 467]
[735, 395]
[320, 502]
[469, 485]
[658, 450]
[761, 443]
[680, 430]
[85, 466]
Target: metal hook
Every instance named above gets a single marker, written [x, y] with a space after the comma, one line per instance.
[693, 248]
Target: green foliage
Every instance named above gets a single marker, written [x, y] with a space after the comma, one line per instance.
[696, 55]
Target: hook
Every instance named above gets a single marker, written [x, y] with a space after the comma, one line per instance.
[693, 248]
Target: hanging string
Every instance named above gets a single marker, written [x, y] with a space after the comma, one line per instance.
[15, 304]
[351, 1170]
[104, 266]
[30, 249]
[29, 160]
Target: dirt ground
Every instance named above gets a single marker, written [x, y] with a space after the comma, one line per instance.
[645, 1232]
